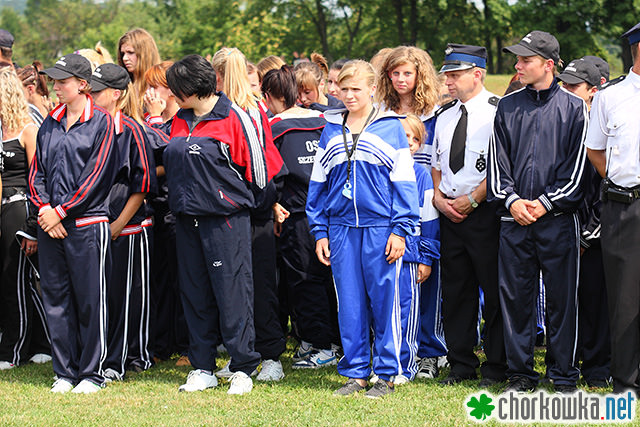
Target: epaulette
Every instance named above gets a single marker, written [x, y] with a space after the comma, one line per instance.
[611, 82]
[494, 100]
[445, 107]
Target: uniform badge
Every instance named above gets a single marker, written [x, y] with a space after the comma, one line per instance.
[481, 163]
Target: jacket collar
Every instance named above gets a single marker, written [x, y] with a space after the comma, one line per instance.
[59, 112]
[220, 110]
[544, 94]
[336, 116]
[118, 121]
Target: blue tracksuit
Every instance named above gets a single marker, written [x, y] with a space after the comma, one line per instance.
[384, 200]
[423, 247]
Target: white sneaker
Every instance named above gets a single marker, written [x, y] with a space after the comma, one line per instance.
[86, 387]
[427, 367]
[443, 362]
[61, 386]
[6, 365]
[198, 380]
[400, 379]
[111, 375]
[240, 383]
[226, 372]
[40, 358]
[373, 378]
[271, 371]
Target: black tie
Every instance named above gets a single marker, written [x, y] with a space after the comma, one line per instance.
[456, 158]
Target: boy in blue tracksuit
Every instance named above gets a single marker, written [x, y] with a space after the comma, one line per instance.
[362, 202]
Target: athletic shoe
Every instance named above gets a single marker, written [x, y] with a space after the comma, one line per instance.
[598, 383]
[61, 386]
[319, 359]
[271, 371]
[427, 367]
[86, 387]
[111, 375]
[349, 388]
[443, 362]
[520, 384]
[304, 351]
[240, 383]
[488, 382]
[198, 380]
[564, 388]
[40, 358]
[183, 361]
[226, 372]
[6, 365]
[379, 389]
[452, 379]
[400, 380]
[373, 378]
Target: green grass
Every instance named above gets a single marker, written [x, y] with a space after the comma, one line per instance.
[302, 398]
[497, 83]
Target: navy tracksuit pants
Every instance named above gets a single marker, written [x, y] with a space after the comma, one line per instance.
[74, 276]
[128, 299]
[215, 277]
[551, 244]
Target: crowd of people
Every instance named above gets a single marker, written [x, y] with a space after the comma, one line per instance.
[392, 216]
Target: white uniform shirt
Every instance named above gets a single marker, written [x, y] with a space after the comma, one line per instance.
[615, 127]
[480, 115]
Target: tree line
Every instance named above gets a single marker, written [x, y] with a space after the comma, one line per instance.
[336, 28]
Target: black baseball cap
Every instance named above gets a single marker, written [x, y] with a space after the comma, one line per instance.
[601, 64]
[109, 75]
[463, 57]
[71, 65]
[633, 34]
[6, 39]
[580, 70]
[537, 43]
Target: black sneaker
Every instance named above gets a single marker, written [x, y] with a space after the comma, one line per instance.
[520, 384]
[598, 383]
[565, 388]
[350, 387]
[488, 382]
[379, 389]
[452, 379]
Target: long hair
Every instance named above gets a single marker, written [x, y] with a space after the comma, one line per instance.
[14, 111]
[231, 65]
[128, 103]
[97, 56]
[427, 90]
[29, 75]
[146, 52]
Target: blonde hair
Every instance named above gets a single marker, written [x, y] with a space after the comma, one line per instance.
[379, 57]
[269, 63]
[309, 75]
[357, 67]
[147, 54]
[231, 66]
[427, 90]
[416, 126]
[128, 102]
[97, 56]
[14, 110]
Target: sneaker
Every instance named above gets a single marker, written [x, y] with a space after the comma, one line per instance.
[598, 383]
[373, 378]
[427, 367]
[225, 372]
[489, 382]
[198, 380]
[271, 371]
[111, 375]
[61, 386]
[400, 379]
[40, 358]
[6, 365]
[379, 389]
[564, 388]
[318, 359]
[520, 384]
[240, 383]
[86, 387]
[183, 361]
[452, 379]
[304, 351]
[443, 362]
[349, 388]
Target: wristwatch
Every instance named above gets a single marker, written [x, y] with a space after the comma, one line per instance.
[473, 202]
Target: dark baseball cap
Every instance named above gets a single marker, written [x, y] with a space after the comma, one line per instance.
[600, 63]
[580, 70]
[6, 39]
[537, 43]
[633, 34]
[71, 65]
[462, 57]
[109, 75]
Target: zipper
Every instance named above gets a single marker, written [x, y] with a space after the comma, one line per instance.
[189, 136]
[225, 197]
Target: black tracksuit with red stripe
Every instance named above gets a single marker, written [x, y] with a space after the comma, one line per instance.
[73, 171]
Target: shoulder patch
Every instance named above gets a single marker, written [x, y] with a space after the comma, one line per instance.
[493, 100]
[612, 82]
[445, 107]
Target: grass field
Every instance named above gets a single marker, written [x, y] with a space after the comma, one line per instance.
[497, 83]
[302, 398]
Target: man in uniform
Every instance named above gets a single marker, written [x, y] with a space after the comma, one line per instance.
[536, 164]
[469, 226]
[613, 143]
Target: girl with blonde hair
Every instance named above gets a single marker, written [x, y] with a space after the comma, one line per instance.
[96, 56]
[137, 52]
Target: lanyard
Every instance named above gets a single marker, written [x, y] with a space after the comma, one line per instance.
[351, 153]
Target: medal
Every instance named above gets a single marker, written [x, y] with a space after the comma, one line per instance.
[481, 163]
[346, 190]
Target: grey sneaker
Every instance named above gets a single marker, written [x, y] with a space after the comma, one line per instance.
[271, 371]
[427, 367]
[379, 389]
[111, 375]
[349, 388]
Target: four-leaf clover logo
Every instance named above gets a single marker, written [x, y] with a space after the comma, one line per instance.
[481, 408]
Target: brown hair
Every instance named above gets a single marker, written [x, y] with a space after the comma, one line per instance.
[147, 53]
[29, 75]
[269, 63]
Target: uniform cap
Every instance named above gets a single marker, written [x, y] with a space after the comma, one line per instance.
[462, 57]
[633, 34]
[6, 39]
[600, 63]
[71, 65]
[580, 70]
[109, 75]
[537, 43]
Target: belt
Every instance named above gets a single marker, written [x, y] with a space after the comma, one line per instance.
[621, 194]
[15, 198]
